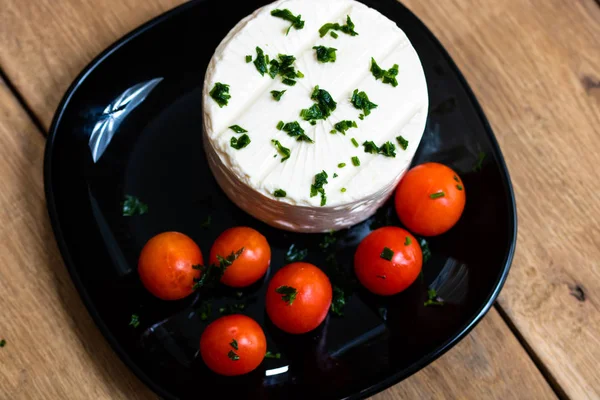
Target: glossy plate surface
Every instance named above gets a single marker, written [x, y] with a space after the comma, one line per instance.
[131, 124]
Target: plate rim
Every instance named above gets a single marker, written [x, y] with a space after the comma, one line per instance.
[112, 340]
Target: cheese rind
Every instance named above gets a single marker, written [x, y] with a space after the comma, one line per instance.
[251, 175]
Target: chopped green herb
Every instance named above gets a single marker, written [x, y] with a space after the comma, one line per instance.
[343, 190]
[343, 126]
[333, 34]
[212, 273]
[289, 82]
[2, 342]
[402, 142]
[348, 28]
[459, 187]
[437, 195]
[355, 161]
[294, 254]
[206, 223]
[237, 129]
[294, 129]
[233, 356]
[335, 175]
[433, 299]
[317, 187]
[287, 15]
[205, 310]
[387, 254]
[280, 125]
[241, 142]
[279, 193]
[273, 355]
[341, 165]
[248, 59]
[361, 116]
[325, 54]
[328, 240]
[325, 105]
[479, 163]
[283, 151]
[338, 301]
[135, 320]
[456, 179]
[361, 101]
[425, 250]
[232, 309]
[234, 344]
[260, 62]
[387, 149]
[388, 76]
[299, 74]
[133, 206]
[288, 294]
[354, 142]
[277, 94]
[331, 131]
[220, 94]
[408, 241]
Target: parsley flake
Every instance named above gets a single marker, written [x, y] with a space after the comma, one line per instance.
[2, 342]
[280, 125]
[425, 250]
[325, 54]
[387, 254]
[459, 187]
[333, 34]
[433, 299]
[289, 82]
[335, 175]
[437, 195]
[135, 320]
[241, 142]
[268, 354]
[402, 142]
[325, 105]
[343, 190]
[233, 356]
[294, 254]
[387, 149]
[232, 309]
[133, 206]
[354, 142]
[237, 129]
[279, 193]
[277, 94]
[341, 165]
[283, 151]
[338, 302]
[220, 94]
[260, 62]
[388, 76]
[348, 28]
[234, 344]
[361, 101]
[355, 161]
[294, 129]
[408, 241]
[288, 294]
[343, 126]
[317, 187]
[287, 15]
[205, 310]
[248, 59]
[212, 273]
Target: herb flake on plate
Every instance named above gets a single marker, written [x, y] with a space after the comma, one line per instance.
[387, 254]
[220, 94]
[387, 76]
[283, 151]
[288, 294]
[133, 206]
[360, 101]
[241, 142]
[317, 187]
[348, 28]
[287, 15]
[325, 54]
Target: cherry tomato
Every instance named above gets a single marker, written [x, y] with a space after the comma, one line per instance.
[388, 260]
[165, 265]
[430, 199]
[233, 345]
[248, 267]
[298, 298]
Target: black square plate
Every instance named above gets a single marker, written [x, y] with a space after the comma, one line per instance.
[131, 124]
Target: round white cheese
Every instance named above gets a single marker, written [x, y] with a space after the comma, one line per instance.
[251, 175]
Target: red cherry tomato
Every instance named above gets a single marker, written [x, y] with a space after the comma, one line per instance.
[430, 199]
[233, 345]
[251, 265]
[388, 260]
[298, 298]
[165, 265]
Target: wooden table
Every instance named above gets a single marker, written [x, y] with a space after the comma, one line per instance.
[535, 67]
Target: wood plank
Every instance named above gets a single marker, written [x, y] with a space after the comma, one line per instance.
[46, 43]
[488, 364]
[535, 67]
[53, 349]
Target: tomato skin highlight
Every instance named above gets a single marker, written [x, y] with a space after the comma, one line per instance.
[311, 305]
[165, 265]
[421, 213]
[388, 277]
[216, 345]
[251, 265]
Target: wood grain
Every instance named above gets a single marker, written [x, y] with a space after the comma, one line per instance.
[535, 67]
[53, 349]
